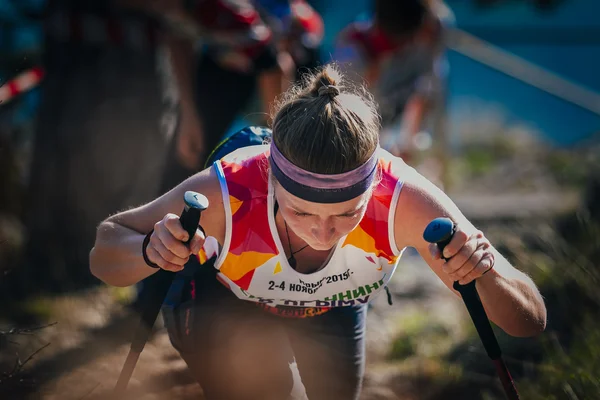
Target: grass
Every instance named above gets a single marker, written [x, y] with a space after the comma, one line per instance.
[420, 336]
[561, 256]
[571, 372]
[40, 308]
[123, 295]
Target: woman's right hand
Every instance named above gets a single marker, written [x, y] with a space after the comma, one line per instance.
[167, 247]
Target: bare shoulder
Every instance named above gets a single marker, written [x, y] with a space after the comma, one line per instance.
[143, 218]
[420, 201]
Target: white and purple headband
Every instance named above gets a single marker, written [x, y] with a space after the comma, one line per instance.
[322, 188]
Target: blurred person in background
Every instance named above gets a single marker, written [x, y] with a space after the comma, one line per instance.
[299, 29]
[100, 132]
[399, 51]
[225, 53]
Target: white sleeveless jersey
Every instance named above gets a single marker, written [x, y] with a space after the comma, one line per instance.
[252, 261]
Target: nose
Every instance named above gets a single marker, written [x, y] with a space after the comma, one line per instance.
[324, 232]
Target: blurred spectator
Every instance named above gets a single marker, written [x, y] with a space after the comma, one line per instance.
[299, 30]
[101, 131]
[399, 51]
[226, 53]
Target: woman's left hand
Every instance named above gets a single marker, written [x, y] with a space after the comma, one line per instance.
[469, 257]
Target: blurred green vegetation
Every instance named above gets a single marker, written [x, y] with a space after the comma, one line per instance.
[518, 161]
[570, 368]
[561, 255]
[420, 336]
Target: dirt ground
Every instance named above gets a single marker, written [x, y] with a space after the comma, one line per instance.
[88, 344]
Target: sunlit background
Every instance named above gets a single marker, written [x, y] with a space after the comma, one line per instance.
[85, 131]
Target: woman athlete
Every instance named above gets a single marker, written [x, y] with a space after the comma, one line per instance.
[301, 233]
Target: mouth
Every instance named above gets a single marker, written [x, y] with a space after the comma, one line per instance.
[324, 246]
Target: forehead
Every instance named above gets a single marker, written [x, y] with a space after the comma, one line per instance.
[287, 199]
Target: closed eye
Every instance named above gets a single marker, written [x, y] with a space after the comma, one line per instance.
[348, 215]
[301, 214]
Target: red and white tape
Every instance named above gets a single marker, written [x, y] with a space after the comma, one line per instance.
[21, 83]
[89, 29]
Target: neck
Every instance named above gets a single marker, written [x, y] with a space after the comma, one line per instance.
[295, 241]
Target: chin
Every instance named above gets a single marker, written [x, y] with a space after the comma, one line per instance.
[323, 247]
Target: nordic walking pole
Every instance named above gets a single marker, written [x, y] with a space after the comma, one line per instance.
[159, 283]
[440, 231]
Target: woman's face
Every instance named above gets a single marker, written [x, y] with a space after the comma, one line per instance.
[320, 225]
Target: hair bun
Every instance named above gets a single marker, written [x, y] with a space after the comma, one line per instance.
[330, 90]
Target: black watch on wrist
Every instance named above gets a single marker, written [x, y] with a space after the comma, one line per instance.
[144, 245]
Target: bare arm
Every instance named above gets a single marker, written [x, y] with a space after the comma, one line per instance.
[509, 297]
[182, 54]
[274, 81]
[190, 139]
[116, 257]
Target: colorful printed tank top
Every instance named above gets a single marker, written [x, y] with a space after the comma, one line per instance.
[252, 261]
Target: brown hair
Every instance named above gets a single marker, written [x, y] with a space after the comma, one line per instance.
[325, 127]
